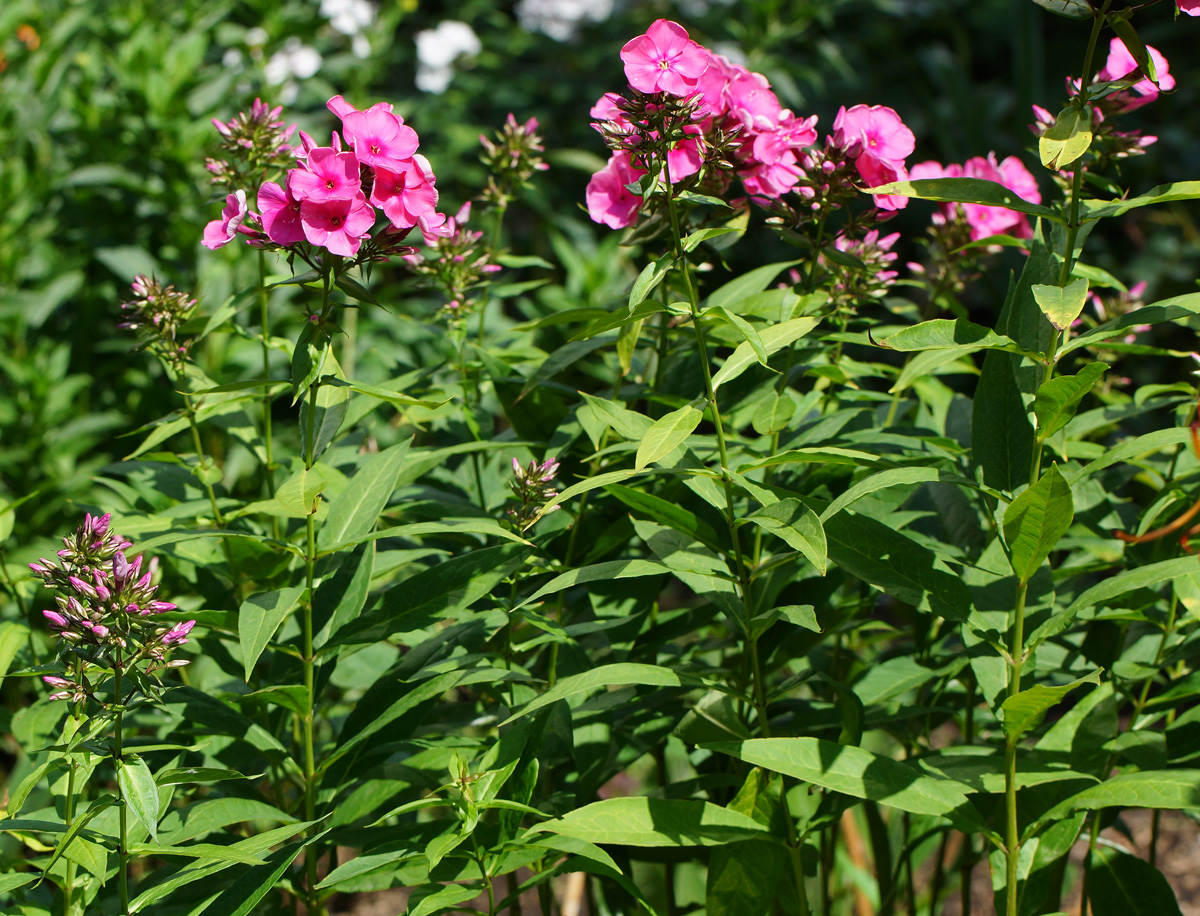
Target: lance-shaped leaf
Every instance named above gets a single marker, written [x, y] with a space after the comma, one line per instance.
[1025, 710]
[356, 509]
[797, 525]
[1061, 304]
[615, 675]
[1058, 398]
[668, 433]
[1071, 9]
[1067, 138]
[861, 774]
[139, 791]
[1035, 520]
[652, 275]
[773, 338]
[1161, 789]
[1164, 193]
[968, 191]
[949, 334]
[258, 619]
[655, 822]
[1120, 884]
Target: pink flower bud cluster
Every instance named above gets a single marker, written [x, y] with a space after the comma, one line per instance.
[511, 159]
[457, 262]
[106, 603]
[329, 200]
[256, 143]
[985, 221]
[728, 122]
[534, 486]
[852, 286]
[157, 313]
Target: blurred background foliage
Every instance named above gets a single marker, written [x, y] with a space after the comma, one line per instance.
[105, 109]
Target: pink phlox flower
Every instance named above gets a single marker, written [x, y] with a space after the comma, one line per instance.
[791, 134]
[877, 172]
[280, 214]
[874, 130]
[665, 59]
[608, 199]
[337, 224]
[713, 84]
[985, 221]
[1191, 7]
[330, 176]
[932, 170]
[378, 137]
[1121, 64]
[406, 193]
[220, 232]
[772, 180]
[606, 108]
[433, 227]
[751, 101]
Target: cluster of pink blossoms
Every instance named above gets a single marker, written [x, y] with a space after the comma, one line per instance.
[329, 200]
[106, 603]
[985, 221]
[733, 122]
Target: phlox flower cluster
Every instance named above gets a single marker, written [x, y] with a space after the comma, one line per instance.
[511, 159]
[710, 120]
[457, 262]
[157, 313]
[983, 221]
[330, 199]
[533, 486]
[851, 286]
[105, 607]
[255, 144]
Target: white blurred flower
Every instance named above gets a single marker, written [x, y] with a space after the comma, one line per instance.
[295, 59]
[350, 17]
[560, 19]
[438, 48]
[360, 46]
[232, 60]
[256, 37]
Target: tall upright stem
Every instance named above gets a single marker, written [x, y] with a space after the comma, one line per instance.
[122, 841]
[72, 770]
[265, 342]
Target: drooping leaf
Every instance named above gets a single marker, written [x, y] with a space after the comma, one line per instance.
[797, 526]
[258, 619]
[1036, 520]
[139, 791]
[1025, 710]
[655, 822]
[1067, 138]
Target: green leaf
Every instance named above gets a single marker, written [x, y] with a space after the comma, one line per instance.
[139, 791]
[1025, 710]
[356, 509]
[744, 328]
[893, 477]
[968, 191]
[667, 513]
[694, 239]
[1123, 885]
[441, 899]
[1133, 448]
[185, 776]
[1061, 304]
[12, 881]
[600, 572]
[197, 851]
[77, 826]
[798, 526]
[1071, 9]
[355, 290]
[619, 318]
[1067, 138]
[1161, 789]
[948, 334]
[1164, 193]
[895, 564]
[745, 285]
[655, 822]
[435, 593]
[299, 493]
[861, 774]
[241, 897]
[199, 818]
[1035, 520]
[1058, 398]
[1178, 308]
[615, 675]
[13, 636]
[652, 275]
[387, 395]
[308, 358]
[321, 416]
[668, 433]
[773, 338]
[258, 619]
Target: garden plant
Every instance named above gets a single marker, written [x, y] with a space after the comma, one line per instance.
[712, 559]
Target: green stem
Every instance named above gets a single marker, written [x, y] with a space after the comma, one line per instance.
[501, 208]
[268, 446]
[122, 841]
[723, 453]
[1012, 844]
[487, 879]
[73, 768]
